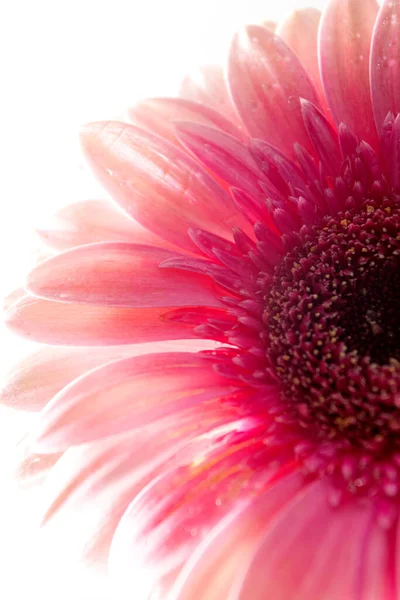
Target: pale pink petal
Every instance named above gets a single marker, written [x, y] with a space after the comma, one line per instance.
[159, 114]
[33, 381]
[300, 32]
[120, 274]
[266, 80]
[157, 183]
[344, 46]
[215, 568]
[175, 513]
[385, 62]
[93, 484]
[124, 395]
[310, 551]
[207, 86]
[92, 221]
[66, 324]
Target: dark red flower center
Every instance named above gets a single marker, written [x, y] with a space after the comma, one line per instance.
[333, 320]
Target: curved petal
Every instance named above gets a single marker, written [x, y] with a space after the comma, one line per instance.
[158, 115]
[385, 62]
[344, 46]
[158, 184]
[311, 551]
[65, 324]
[124, 395]
[300, 32]
[213, 571]
[119, 274]
[207, 86]
[266, 81]
[91, 221]
[174, 514]
[33, 381]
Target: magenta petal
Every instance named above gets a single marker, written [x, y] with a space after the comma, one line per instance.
[92, 221]
[157, 183]
[119, 274]
[323, 137]
[124, 395]
[385, 62]
[345, 36]
[67, 324]
[266, 80]
[159, 114]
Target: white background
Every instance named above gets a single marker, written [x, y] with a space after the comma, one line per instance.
[66, 63]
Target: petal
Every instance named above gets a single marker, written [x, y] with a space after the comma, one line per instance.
[266, 81]
[124, 395]
[66, 324]
[213, 570]
[177, 511]
[300, 32]
[158, 115]
[207, 86]
[156, 183]
[92, 221]
[93, 484]
[225, 155]
[385, 62]
[310, 551]
[119, 274]
[32, 382]
[345, 36]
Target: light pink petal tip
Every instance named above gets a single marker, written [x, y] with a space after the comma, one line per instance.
[207, 86]
[119, 274]
[159, 114]
[300, 32]
[344, 47]
[158, 184]
[266, 81]
[90, 221]
[385, 62]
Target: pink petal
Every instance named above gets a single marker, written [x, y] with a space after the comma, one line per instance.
[310, 551]
[213, 570]
[156, 183]
[125, 395]
[300, 32]
[66, 324]
[172, 516]
[119, 274]
[385, 62]
[225, 155]
[266, 80]
[32, 382]
[92, 221]
[345, 36]
[207, 86]
[158, 115]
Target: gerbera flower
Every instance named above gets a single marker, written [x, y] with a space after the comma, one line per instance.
[262, 214]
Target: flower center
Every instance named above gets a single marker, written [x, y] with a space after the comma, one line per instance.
[333, 321]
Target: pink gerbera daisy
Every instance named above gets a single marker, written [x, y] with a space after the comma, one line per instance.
[261, 212]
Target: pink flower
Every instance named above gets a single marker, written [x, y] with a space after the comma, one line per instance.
[263, 216]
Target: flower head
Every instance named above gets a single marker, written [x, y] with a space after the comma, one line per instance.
[263, 215]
